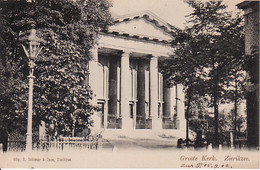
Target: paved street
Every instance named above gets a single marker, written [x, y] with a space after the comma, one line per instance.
[120, 144]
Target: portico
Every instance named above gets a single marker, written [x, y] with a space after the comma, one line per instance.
[126, 80]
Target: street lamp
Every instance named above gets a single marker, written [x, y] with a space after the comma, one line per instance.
[31, 46]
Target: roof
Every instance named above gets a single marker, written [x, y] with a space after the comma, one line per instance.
[249, 6]
[243, 4]
[149, 17]
[246, 4]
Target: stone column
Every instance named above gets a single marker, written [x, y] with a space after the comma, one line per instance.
[160, 93]
[134, 115]
[167, 98]
[126, 120]
[180, 107]
[140, 94]
[105, 114]
[135, 97]
[93, 76]
[112, 103]
[156, 121]
[105, 94]
[174, 101]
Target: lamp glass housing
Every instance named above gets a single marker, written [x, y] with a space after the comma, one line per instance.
[31, 44]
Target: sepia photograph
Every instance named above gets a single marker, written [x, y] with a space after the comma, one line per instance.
[129, 84]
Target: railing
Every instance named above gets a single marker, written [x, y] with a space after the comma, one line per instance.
[16, 146]
[113, 122]
[143, 123]
[59, 144]
[240, 143]
[167, 123]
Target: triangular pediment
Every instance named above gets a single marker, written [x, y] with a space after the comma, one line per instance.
[143, 26]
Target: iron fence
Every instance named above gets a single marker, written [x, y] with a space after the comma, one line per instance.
[59, 144]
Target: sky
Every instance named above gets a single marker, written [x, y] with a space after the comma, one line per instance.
[172, 11]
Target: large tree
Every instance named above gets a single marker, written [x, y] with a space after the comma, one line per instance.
[211, 50]
[61, 93]
[183, 68]
[221, 47]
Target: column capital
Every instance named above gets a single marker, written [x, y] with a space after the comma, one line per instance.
[94, 53]
[125, 53]
[94, 48]
[154, 56]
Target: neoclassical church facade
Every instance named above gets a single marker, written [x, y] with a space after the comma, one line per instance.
[127, 82]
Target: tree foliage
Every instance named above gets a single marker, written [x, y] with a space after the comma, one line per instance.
[61, 94]
[209, 55]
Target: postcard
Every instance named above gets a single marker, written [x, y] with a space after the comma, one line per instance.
[129, 84]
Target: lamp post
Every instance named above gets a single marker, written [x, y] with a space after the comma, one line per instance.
[31, 46]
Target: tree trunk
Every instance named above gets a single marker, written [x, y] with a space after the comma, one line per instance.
[215, 104]
[187, 121]
[189, 94]
[216, 135]
[235, 109]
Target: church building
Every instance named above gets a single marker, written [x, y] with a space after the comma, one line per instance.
[127, 82]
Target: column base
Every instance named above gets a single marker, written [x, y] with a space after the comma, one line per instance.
[156, 123]
[28, 142]
[97, 120]
[127, 123]
[176, 123]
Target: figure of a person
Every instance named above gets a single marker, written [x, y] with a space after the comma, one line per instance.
[4, 139]
[179, 143]
[199, 140]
